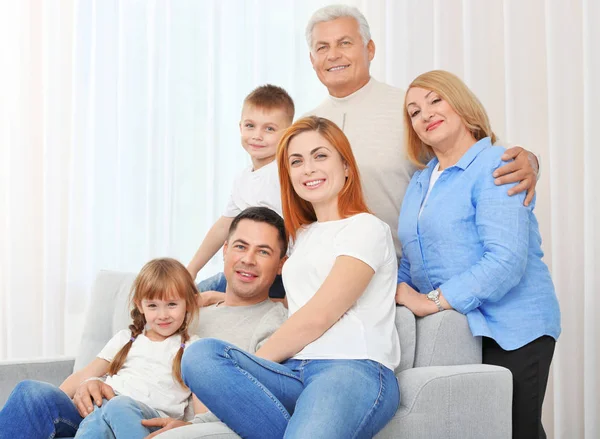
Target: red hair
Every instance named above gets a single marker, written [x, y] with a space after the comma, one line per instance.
[298, 212]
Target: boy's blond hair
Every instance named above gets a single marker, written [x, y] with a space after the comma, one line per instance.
[269, 97]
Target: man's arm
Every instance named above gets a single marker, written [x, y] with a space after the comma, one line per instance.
[97, 368]
[91, 390]
[82, 386]
[170, 423]
[523, 169]
[211, 244]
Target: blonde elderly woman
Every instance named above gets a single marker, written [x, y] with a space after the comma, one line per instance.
[468, 246]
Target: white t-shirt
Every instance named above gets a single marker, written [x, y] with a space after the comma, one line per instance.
[147, 374]
[254, 189]
[367, 330]
[371, 119]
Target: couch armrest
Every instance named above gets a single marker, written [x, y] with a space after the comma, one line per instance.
[470, 401]
[444, 339]
[53, 370]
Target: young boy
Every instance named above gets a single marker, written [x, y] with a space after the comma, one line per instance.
[266, 113]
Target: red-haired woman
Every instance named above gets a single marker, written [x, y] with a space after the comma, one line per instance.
[328, 372]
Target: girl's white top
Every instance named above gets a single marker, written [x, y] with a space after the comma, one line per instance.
[367, 330]
[147, 373]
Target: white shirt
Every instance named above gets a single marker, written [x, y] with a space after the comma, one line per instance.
[372, 119]
[255, 188]
[435, 174]
[367, 330]
[147, 375]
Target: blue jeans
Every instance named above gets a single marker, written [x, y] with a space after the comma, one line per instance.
[258, 398]
[213, 283]
[40, 410]
[119, 418]
[219, 283]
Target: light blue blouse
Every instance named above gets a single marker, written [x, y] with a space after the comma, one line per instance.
[481, 247]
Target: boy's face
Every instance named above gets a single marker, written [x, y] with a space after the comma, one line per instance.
[261, 130]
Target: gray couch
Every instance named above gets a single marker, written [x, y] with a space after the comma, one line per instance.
[445, 390]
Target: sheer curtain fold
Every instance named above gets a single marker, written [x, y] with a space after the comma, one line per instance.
[119, 141]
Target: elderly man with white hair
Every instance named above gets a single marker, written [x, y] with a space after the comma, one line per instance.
[370, 113]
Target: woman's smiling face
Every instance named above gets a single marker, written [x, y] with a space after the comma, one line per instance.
[316, 168]
[432, 117]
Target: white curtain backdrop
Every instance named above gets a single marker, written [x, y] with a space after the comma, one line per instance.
[119, 141]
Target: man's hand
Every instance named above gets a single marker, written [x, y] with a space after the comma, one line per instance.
[91, 390]
[413, 300]
[164, 423]
[524, 169]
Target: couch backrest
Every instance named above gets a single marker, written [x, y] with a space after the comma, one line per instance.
[441, 339]
[107, 313]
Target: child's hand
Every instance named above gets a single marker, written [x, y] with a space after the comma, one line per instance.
[208, 298]
[88, 390]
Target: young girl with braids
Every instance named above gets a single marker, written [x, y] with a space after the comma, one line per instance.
[143, 364]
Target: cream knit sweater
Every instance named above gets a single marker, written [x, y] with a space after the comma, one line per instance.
[371, 118]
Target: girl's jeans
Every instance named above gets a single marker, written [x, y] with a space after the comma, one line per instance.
[40, 410]
[297, 399]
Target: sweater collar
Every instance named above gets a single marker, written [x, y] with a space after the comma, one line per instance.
[356, 96]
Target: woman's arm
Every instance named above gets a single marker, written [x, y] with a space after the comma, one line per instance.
[418, 303]
[404, 271]
[97, 368]
[345, 283]
[211, 244]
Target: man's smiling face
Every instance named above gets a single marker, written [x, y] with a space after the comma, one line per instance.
[340, 57]
[252, 259]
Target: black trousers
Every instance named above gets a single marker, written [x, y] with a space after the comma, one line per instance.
[529, 366]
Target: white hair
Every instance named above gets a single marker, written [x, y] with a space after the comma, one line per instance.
[332, 12]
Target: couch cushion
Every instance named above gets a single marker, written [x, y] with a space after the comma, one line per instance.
[406, 326]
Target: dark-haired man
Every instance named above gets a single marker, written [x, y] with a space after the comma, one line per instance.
[253, 255]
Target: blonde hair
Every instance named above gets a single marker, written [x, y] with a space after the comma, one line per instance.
[297, 211]
[160, 279]
[462, 100]
[270, 97]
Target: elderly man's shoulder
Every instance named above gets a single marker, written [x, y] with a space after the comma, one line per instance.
[383, 87]
[386, 95]
[377, 93]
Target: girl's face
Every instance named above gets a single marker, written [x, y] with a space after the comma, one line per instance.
[163, 317]
[317, 171]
